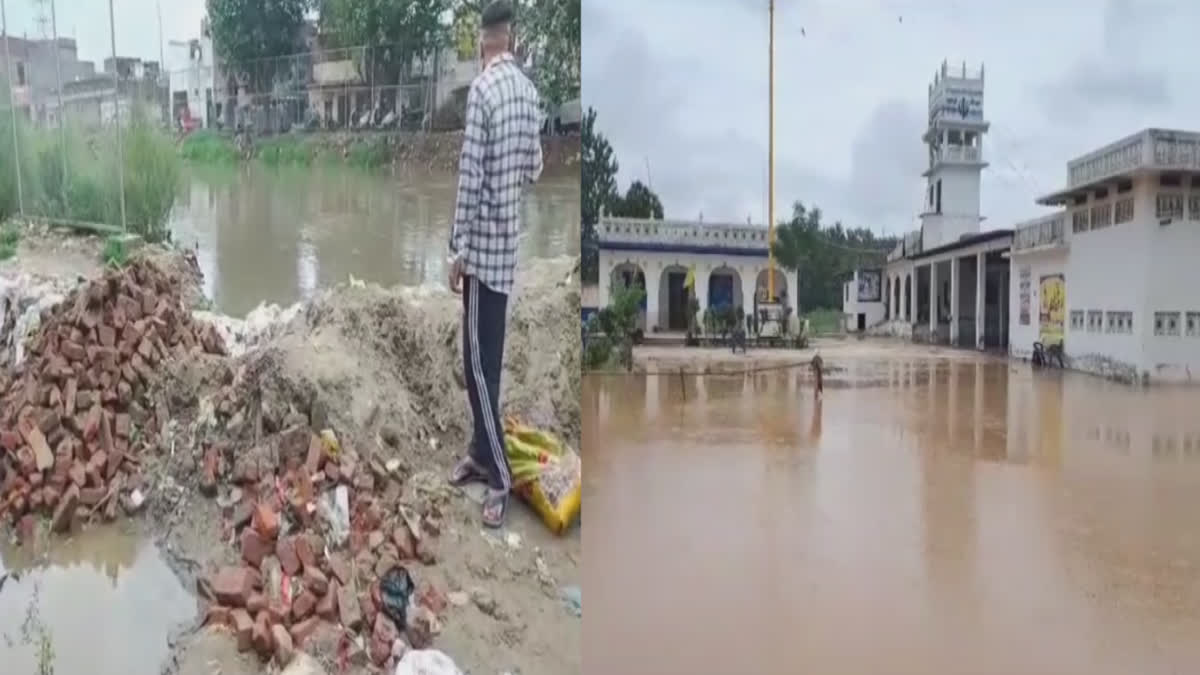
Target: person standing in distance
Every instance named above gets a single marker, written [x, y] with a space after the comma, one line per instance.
[501, 155]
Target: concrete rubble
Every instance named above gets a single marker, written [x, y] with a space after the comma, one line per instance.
[75, 418]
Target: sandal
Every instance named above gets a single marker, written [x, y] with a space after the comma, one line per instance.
[495, 507]
[467, 471]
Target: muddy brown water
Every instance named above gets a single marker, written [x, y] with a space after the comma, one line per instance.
[928, 516]
[105, 600]
[277, 235]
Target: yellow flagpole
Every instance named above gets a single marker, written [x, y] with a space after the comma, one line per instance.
[771, 162]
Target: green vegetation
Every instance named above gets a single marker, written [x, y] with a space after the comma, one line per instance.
[115, 252]
[286, 150]
[610, 332]
[79, 181]
[10, 238]
[208, 147]
[823, 321]
[253, 30]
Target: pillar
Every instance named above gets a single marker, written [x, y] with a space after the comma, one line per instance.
[954, 301]
[932, 300]
[980, 291]
[702, 272]
[653, 281]
[604, 285]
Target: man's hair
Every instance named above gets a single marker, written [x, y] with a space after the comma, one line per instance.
[497, 16]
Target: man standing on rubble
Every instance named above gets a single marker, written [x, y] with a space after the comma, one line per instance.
[501, 155]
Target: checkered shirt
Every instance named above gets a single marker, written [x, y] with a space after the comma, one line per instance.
[501, 154]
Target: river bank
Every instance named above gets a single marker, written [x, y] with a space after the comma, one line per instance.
[433, 151]
[378, 367]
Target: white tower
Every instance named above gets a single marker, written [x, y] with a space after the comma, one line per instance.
[955, 141]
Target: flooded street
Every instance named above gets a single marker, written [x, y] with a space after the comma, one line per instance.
[105, 600]
[276, 235]
[932, 515]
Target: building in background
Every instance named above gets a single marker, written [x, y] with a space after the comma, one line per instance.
[191, 80]
[862, 300]
[34, 76]
[1112, 276]
[948, 283]
[729, 262]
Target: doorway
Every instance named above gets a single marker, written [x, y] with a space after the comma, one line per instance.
[677, 301]
[862, 322]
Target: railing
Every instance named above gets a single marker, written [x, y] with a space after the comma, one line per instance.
[958, 153]
[638, 231]
[1048, 231]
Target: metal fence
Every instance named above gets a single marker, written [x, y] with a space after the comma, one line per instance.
[85, 143]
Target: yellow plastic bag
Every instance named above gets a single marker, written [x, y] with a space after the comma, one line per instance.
[546, 474]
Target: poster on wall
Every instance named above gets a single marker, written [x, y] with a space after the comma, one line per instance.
[1025, 290]
[870, 285]
[1053, 299]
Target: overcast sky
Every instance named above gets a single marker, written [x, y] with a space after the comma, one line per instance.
[87, 22]
[681, 86]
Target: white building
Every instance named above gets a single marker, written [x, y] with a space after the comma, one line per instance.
[729, 262]
[951, 265]
[1118, 285]
[190, 75]
[863, 305]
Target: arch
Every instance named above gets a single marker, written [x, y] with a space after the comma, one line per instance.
[673, 299]
[629, 274]
[908, 297]
[887, 297]
[761, 287]
[896, 298]
[725, 287]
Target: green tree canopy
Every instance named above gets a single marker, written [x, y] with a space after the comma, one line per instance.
[399, 31]
[639, 202]
[246, 30]
[598, 186]
[825, 255]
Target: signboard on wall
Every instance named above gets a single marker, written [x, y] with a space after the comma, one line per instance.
[1052, 292]
[1025, 290]
[870, 285]
[957, 103]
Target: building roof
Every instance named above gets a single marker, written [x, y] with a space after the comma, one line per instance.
[1147, 151]
[969, 240]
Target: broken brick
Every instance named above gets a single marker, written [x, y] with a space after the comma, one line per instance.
[382, 637]
[265, 521]
[254, 548]
[304, 551]
[217, 616]
[348, 608]
[327, 606]
[285, 550]
[284, 649]
[303, 605]
[315, 580]
[340, 568]
[302, 629]
[261, 636]
[65, 512]
[233, 586]
[243, 628]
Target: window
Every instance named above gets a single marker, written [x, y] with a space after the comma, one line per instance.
[1166, 323]
[1119, 322]
[1077, 319]
[1168, 205]
[1079, 221]
[1123, 211]
[1194, 206]
[1101, 216]
[1095, 320]
[1192, 324]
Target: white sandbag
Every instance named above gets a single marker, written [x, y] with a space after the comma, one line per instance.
[426, 662]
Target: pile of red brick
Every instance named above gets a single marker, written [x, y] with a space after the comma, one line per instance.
[74, 416]
[289, 582]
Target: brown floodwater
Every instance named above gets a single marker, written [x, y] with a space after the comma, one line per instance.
[104, 602]
[929, 516]
[277, 235]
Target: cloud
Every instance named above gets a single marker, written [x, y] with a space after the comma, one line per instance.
[682, 86]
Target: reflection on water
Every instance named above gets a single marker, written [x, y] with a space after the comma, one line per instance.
[928, 516]
[107, 599]
[277, 235]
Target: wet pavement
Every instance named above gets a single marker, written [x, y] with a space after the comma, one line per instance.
[105, 601]
[277, 235]
[928, 516]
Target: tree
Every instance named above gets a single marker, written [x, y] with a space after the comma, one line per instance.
[598, 187]
[639, 202]
[398, 33]
[247, 30]
[825, 256]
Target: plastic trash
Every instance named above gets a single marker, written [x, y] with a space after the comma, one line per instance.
[395, 590]
[335, 509]
[546, 474]
[426, 662]
[573, 597]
